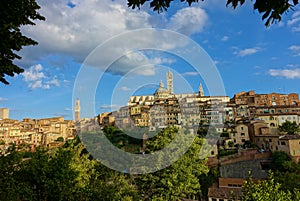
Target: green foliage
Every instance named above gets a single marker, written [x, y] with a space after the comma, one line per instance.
[278, 160]
[60, 139]
[267, 190]
[13, 15]
[271, 10]
[113, 186]
[226, 152]
[181, 178]
[207, 180]
[249, 144]
[66, 173]
[289, 127]
[122, 140]
[11, 181]
[230, 143]
[286, 172]
[224, 134]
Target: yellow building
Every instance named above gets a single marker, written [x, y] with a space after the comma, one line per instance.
[240, 134]
[36, 131]
[289, 144]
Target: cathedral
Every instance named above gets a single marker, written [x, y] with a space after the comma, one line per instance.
[168, 93]
[166, 108]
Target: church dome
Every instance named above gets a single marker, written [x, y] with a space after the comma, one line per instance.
[161, 88]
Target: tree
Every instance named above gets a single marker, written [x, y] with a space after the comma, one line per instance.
[278, 160]
[60, 139]
[271, 10]
[179, 180]
[12, 187]
[289, 127]
[286, 171]
[267, 190]
[65, 173]
[13, 15]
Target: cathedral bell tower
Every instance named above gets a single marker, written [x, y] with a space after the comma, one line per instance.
[170, 82]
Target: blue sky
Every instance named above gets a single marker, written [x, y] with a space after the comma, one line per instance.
[247, 55]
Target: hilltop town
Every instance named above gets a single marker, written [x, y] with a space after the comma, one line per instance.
[248, 128]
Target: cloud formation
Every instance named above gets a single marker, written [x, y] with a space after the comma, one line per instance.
[3, 99]
[124, 88]
[188, 20]
[225, 38]
[295, 49]
[75, 28]
[286, 73]
[247, 51]
[35, 78]
[190, 73]
[294, 22]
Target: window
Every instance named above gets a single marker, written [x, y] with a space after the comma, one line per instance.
[212, 152]
[213, 199]
[242, 134]
[282, 143]
[270, 140]
[242, 128]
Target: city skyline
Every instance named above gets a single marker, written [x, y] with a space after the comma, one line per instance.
[248, 55]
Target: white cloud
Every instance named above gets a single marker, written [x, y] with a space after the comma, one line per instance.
[295, 49]
[294, 22]
[34, 73]
[35, 78]
[124, 88]
[3, 99]
[247, 51]
[188, 20]
[75, 32]
[53, 82]
[159, 60]
[191, 73]
[225, 38]
[286, 73]
[110, 107]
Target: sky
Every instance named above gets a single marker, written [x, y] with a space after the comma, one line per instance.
[102, 52]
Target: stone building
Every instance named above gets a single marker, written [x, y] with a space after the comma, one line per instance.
[4, 113]
[36, 132]
[252, 99]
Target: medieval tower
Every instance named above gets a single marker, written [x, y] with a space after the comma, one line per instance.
[77, 110]
[170, 82]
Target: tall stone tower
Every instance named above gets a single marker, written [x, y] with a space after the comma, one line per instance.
[201, 92]
[170, 82]
[4, 113]
[77, 110]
